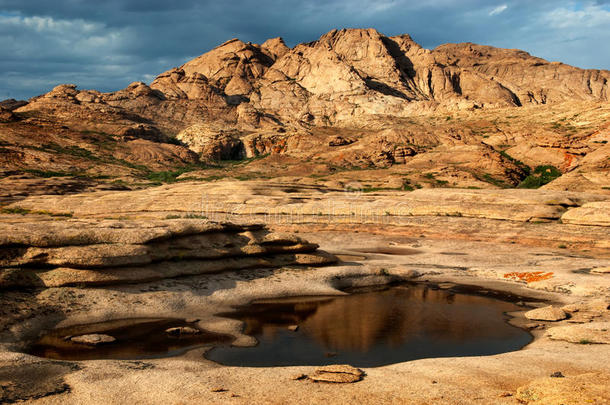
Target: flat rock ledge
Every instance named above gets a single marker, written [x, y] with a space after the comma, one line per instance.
[251, 198]
[588, 333]
[89, 252]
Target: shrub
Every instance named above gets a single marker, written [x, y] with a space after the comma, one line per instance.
[540, 176]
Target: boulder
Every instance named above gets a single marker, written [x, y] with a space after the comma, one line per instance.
[549, 313]
[141, 131]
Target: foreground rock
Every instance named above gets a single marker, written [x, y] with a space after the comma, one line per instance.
[549, 313]
[74, 252]
[590, 388]
[337, 373]
[588, 333]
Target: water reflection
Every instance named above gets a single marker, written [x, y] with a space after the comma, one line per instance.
[134, 339]
[373, 328]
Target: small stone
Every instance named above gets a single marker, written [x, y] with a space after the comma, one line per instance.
[505, 395]
[299, 377]
[219, 389]
[549, 313]
[182, 330]
[293, 328]
[93, 339]
[557, 374]
[337, 373]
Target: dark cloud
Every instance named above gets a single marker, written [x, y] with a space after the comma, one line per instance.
[108, 44]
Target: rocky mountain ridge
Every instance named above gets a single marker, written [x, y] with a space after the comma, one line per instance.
[337, 80]
[468, 115]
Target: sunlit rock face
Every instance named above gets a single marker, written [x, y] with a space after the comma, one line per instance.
[351, 74]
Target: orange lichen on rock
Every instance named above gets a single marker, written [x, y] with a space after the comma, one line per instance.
[529, 276]
[568, 159]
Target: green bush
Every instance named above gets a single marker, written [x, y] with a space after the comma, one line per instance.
[540, 176]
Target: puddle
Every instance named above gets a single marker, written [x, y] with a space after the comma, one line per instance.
[373, 328]
[142, 338]
[368, 328]
[582, 271]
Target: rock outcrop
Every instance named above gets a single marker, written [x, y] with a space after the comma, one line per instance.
[549, 313]
[268, 199]
[475, 116]
[12, 104]
[7, 115]
[593, 213]
[54, 254]
[340, 79]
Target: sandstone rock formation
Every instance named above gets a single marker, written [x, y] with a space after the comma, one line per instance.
[268, 199]
[594, 213]
[92, 339]
[464, 115]
[342, 75]
[588, 333]
[7, 115]
[337, 373]
[110, 252]
[549, 313]
[12, 104]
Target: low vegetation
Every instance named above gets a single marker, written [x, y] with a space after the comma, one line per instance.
[540, 176]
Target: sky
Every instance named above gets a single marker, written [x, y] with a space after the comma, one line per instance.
[107, 44]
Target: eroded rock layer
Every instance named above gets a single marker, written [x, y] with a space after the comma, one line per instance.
[53, 254]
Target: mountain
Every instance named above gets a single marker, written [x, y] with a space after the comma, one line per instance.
[353, 98]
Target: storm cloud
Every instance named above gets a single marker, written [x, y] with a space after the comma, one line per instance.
[108, 44]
